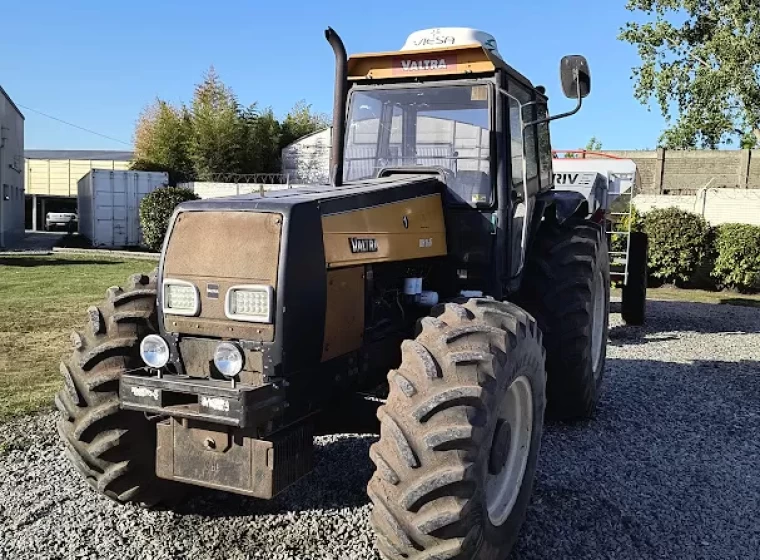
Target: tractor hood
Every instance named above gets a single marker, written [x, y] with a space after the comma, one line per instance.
[283, 245]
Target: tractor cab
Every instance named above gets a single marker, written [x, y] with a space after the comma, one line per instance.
[448, 101]
[448, 104]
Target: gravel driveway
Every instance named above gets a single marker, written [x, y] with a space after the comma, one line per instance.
[670, 468]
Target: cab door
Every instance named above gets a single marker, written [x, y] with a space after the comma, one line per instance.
[524, 169]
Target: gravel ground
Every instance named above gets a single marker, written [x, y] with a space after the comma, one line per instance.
[670, 468]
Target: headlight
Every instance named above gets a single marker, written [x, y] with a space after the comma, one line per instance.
[228, 359]
[154, 351]
[249, 303]
[180, 298]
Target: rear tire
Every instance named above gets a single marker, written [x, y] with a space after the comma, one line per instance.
[113, 449]
[460, 435]
[566, 286]
[634, 300]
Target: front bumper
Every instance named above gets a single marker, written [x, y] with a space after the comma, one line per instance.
[207, 400]
[209, 436]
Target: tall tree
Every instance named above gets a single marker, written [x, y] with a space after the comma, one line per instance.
[700, 60]
[216, 136]
[219, 140]
[266, 132]
[162, 141]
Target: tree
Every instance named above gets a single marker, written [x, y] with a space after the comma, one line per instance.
[219, 142]
[592, 145]
[299, 122]
[217, 135]
[162, 141]
[701, 58]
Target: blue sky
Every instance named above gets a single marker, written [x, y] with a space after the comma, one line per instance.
[97, 64]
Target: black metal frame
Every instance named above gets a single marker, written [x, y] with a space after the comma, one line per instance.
[185, 397]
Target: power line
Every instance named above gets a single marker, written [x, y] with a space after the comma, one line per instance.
[74, 125]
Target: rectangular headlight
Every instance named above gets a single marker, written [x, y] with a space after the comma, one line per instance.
[180, 298]
[249, 303]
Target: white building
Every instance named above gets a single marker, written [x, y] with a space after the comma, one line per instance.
[11, 172]
[307, 160]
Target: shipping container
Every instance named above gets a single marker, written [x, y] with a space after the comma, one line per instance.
[109, 205]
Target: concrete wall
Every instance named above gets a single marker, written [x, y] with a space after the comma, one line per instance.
[717, 206]
[11, 172]
[683, 172]
[207, 189]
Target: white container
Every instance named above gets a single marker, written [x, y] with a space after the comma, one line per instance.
[428, 298]
[471, 293]
[109, 205]
[412, 286]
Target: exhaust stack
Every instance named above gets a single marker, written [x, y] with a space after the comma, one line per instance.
[339, 107]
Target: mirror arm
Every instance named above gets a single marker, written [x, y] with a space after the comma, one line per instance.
[561, 115]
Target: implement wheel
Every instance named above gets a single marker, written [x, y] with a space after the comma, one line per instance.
[460, 435]
[634, 302]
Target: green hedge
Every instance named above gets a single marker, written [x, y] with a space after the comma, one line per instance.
[620, 242]
[737, 263]
[678, 243]
[157, 208]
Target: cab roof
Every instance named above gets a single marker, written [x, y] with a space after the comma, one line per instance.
[459, 60]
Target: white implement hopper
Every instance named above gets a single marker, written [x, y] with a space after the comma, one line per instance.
[601, 180]
[609, 184]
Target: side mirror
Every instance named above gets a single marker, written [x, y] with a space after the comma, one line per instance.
[575, 76]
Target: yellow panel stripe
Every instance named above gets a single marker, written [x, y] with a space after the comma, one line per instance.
[408, 229]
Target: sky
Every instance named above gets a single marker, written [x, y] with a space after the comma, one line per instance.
[98, 64]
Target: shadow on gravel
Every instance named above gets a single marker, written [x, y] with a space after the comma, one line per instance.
[666, 469]
[667, 318]
[339, 480]
[740, 301]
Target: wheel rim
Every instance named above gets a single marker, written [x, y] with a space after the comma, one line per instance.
[597, 327]
[510, 450]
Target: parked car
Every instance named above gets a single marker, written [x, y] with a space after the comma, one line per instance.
[58, 220]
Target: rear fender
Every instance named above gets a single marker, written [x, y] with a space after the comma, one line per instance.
[556, 206]
[566, 204]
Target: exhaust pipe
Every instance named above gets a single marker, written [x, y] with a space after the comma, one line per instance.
[339, 107]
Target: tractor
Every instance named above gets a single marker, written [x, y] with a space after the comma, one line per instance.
[439, 270]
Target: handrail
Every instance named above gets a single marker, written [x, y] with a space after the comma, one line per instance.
[601, 155]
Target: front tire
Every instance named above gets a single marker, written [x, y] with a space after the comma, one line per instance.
[113, 449]
[460, 435]
[566, 286]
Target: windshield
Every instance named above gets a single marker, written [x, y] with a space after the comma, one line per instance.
[443, 126]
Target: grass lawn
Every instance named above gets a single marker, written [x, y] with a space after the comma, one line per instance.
[42, 298]
[700, 296]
